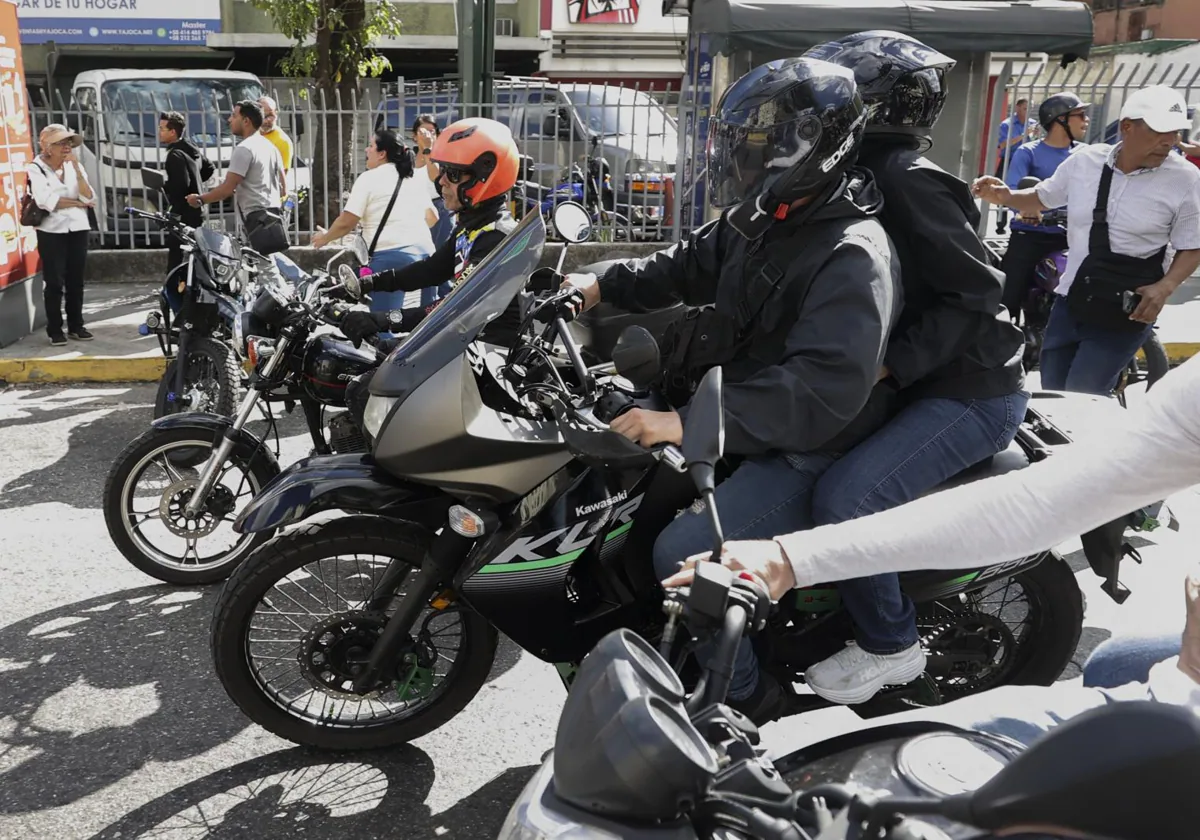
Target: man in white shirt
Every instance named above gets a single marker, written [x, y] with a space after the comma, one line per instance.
[1115, 284]
[1148, 453]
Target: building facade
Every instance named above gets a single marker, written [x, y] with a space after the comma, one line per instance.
[1122, 21]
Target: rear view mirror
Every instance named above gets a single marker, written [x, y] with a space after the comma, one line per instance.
[1126, 771]
[1028, 182]
[350, 281]
[704, 431]
[637, 358]
[153, 179]
[359, 246]
[572, 222]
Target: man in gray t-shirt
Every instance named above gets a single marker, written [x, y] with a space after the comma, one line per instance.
[255, 174]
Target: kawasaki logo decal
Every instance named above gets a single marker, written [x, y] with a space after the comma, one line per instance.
[562, 545]
[584, 510]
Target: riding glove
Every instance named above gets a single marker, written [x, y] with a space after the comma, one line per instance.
[357, 325]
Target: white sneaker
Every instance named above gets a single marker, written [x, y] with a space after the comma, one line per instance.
[854, 676]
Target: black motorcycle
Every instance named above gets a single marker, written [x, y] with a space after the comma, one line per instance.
[496, 498]
[637, 757]
[198, 467]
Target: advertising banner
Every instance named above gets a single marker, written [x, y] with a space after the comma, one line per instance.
[119, 21]
[18, 245]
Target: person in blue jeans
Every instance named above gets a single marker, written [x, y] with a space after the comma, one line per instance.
[1129, 658]
[1064, 117]
[954, 356]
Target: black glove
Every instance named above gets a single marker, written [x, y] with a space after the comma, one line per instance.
[357, 325]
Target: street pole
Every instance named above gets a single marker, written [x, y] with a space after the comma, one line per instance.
[477, 55]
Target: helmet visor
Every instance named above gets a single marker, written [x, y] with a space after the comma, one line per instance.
[745, 159]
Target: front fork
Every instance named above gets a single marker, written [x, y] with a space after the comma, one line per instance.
[208, 477]
[445, 556]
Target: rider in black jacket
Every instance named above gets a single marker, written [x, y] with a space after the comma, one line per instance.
[478, 163]
[954, 356]
[796, 288]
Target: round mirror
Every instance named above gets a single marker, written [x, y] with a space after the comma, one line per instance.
[360, 249]
[350, 281]
[572, 222]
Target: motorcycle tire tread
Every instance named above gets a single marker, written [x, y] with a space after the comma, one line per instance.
[149, 440]
[295, 549]
[228, 368]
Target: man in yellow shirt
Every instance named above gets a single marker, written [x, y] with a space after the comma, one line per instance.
[277, 136]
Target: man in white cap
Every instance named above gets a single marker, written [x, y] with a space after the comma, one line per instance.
[1126, 205]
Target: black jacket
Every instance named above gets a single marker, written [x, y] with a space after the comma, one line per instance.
[476, 233]
[183, 161]
[953, 339]
[803, 380]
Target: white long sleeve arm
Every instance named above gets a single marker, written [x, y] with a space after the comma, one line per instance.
[1148, 453]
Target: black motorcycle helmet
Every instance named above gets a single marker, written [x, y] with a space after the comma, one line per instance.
[1054, 109]
[901, 81]
[785, 130]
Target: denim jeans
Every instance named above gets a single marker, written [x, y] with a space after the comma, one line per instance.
[1126, 659]
[1084, 358]
[928, 442]
[399, 258]
[764, 497]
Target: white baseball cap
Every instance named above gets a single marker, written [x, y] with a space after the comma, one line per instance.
[1159, 106]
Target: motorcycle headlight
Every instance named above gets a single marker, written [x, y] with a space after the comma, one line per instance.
[224, 269]
[532, 818]
[377, 411]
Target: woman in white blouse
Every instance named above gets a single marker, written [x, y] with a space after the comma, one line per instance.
[424, 132]
[395, 237]
[60, 187]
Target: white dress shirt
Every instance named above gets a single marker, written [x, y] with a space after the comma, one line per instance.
[48, 187]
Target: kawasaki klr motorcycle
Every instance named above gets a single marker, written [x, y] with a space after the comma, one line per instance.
[170, 491]
[637, 757]
[496, 498]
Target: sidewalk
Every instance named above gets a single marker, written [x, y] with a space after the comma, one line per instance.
[114, 311]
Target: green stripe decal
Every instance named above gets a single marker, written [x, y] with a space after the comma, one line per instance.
[530, 565]
[965, 578]
[612, 535]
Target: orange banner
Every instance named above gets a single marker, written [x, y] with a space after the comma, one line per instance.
[18, 245]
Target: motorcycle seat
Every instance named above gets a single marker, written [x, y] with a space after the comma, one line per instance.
[1012, 458]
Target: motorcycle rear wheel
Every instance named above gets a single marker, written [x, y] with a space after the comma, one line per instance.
[303, 550]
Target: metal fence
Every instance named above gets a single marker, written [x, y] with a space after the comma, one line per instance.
[612, 148]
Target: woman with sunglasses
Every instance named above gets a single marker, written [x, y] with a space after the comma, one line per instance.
[477, 161]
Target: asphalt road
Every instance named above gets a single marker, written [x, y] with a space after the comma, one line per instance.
[112, 724]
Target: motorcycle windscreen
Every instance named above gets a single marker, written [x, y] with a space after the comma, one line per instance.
[216, 242]
[482, 297]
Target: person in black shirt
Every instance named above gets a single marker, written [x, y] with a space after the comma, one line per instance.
[477, 160]
[954, 357]
[187, 170]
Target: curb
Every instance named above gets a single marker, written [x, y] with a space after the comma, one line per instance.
[117, 369]
[85, 369]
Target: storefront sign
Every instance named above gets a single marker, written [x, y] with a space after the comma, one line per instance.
[118, 21]
[18, 245]
[603, 11]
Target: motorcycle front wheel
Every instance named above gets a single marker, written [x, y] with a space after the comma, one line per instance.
[292, 630]
[212, 380]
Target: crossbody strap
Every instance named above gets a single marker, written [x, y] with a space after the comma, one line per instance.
[1098, 242]
[386, 214]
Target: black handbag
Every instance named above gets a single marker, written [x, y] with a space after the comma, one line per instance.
[1095, 296]
[265, 231]
[32, 213]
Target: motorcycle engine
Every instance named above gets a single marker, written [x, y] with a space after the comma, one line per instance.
[344, 435]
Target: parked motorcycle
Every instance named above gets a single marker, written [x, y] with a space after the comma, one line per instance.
[496, 498]
[189, 459]
[637, 757]
[593, 190]
[1040, 297]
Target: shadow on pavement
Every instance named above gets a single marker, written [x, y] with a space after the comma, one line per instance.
[332, 795]
[93, 691]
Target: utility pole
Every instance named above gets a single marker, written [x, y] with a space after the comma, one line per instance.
[477, 55]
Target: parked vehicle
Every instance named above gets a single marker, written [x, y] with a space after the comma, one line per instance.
[190, 459]
[593, 191]
[637, 756]
[495, 498]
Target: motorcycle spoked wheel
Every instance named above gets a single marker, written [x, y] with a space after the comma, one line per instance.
[180, 454]
[295, 681]
[986, 638]
[213, 376]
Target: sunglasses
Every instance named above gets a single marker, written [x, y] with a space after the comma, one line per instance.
[454, 175]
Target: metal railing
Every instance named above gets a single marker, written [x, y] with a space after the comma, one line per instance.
[612, 148]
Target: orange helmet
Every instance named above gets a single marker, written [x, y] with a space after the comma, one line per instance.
[479, 156]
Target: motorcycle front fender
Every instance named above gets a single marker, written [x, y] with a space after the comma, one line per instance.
[246, 444]
[353, 483]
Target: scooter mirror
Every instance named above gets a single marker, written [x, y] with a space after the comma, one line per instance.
[350, 281]
[704, 431]
[572, 222]
[1125, 771]
[636, 357]
[153, 179]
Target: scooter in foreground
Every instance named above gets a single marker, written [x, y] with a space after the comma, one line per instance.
[636, 757]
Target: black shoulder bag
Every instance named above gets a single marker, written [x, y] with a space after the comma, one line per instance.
[386, 213]
[32, 213]
[1095, 295]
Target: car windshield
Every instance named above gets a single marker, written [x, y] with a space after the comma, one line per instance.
[471, 305]
[132, 106]
[613, 110]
